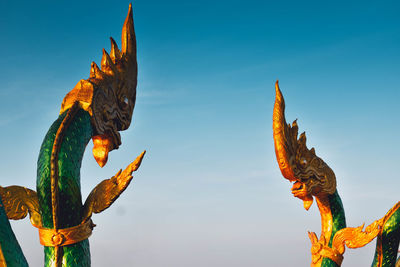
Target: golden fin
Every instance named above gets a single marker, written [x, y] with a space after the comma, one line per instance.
[115, 54]
[106, 192]
[95, 72]
[356, 237]
[107, 65]
[18, 201]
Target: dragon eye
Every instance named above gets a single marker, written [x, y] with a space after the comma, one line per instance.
[124, 102]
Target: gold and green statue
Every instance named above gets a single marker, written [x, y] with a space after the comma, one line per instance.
[96, 109]
[313, 178]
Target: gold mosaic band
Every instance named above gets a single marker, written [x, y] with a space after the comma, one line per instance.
[67, 236]
[332, 254]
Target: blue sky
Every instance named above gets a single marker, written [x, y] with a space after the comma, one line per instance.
[209, 192]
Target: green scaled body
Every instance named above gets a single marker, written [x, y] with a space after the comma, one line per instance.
[9, 246]
[390, 241]
[339, 222]
[77, 135]
[390, 237]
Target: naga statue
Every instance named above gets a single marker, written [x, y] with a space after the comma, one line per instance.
[313, 178]
[96, 108]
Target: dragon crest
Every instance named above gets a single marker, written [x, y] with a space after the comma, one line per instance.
[312, 176]
[110, 92]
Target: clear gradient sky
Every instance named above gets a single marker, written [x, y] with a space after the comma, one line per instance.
[209, 192]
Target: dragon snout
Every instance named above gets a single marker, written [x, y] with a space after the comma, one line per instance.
[297, 186]
[300, 191]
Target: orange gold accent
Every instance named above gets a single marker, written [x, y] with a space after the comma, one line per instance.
[326, 217]
[321, 250]
[67, 236]
[58, 252]
[332, 254]
[118, 63]
[18, 201]
[106, 192]
[356, 237]
[352, 237]
[102, 144]
[282, 132]
[379, 250]
[81, 93]
[296, 162]
[58, 256]
[2, 260]
[54, 161]
[312, 177]
[109, 94]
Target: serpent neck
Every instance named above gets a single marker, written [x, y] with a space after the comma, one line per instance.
[58, 183]
[388, 240]
[332, 220]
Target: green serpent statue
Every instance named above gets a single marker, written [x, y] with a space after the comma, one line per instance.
[97, 108]
[313, 178]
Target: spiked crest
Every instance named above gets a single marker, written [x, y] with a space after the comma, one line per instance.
[109, 94]
[298, 163]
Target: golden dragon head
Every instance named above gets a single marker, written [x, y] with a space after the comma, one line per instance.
[110, 92]
[310, 174]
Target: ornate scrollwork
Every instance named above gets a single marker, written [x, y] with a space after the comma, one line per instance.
[356, 237]
[18, 201]
[320, 249]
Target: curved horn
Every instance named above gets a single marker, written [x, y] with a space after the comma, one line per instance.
[128, 38]
[282, 134]
[129, 57]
